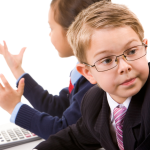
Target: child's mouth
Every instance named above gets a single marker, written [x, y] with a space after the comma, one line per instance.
[128, 82]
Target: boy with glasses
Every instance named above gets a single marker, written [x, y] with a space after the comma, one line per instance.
[108, 41]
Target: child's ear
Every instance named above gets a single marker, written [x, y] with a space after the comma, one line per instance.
[82, 69]
[145, 41]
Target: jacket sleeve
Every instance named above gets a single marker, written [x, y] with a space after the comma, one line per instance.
[41, 100]
[75, 137]
[40, 123]
[43, 124]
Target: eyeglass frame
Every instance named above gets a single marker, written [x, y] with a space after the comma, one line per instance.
[143, 44]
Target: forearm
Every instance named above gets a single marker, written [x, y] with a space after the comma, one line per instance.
[75, 137]
[42, 124]
[42, 100]
[63, 140]
[17, 72]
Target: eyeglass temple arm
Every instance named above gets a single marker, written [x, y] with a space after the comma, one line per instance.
[88, 65]
[145, 44]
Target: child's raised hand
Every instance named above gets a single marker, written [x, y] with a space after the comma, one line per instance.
[9, 97]
[13, 61]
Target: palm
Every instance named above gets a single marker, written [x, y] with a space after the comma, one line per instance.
[13, 61]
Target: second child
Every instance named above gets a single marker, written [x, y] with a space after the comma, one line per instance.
[50, 113]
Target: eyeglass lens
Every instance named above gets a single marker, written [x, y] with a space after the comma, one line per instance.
[110, 62]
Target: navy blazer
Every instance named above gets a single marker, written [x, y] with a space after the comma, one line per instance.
[92, 130]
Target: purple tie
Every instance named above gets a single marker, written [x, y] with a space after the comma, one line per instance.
[119, 114]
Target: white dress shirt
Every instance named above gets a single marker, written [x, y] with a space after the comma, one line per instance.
[113, 104]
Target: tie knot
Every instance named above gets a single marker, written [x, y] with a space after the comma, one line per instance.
[119, 114]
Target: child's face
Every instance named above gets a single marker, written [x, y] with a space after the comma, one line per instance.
[58, 37]
[115, 41]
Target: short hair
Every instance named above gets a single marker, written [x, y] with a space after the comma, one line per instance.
[65, 11]
[97, 16]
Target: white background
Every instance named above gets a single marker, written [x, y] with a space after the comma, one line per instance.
[25, 23]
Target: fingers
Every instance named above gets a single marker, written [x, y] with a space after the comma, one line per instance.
[1, 87]
[5, 45]
[3, 48]
[21, 86]
[22, 51]
[5, 82]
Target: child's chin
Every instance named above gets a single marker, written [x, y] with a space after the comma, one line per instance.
[62, 55]
[133, 92]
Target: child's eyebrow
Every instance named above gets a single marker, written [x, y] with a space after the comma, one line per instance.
[130, 41]
[108, 51]
[104, 51]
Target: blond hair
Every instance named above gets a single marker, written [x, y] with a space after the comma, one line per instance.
[99, 15]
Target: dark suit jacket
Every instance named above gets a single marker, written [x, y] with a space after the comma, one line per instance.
[92, 130]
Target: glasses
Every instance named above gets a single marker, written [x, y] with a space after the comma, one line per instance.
[110, 62]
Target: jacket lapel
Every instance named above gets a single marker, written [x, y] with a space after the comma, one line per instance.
[103, 128]
[132, 119]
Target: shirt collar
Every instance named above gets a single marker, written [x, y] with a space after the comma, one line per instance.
[75, 76]
[113, 104]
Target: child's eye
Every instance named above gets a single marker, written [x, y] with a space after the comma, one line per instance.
[131, 52]
[106, 61]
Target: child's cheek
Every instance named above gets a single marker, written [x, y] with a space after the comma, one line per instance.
[107, 82]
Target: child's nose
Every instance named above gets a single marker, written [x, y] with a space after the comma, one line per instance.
[123, 66]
